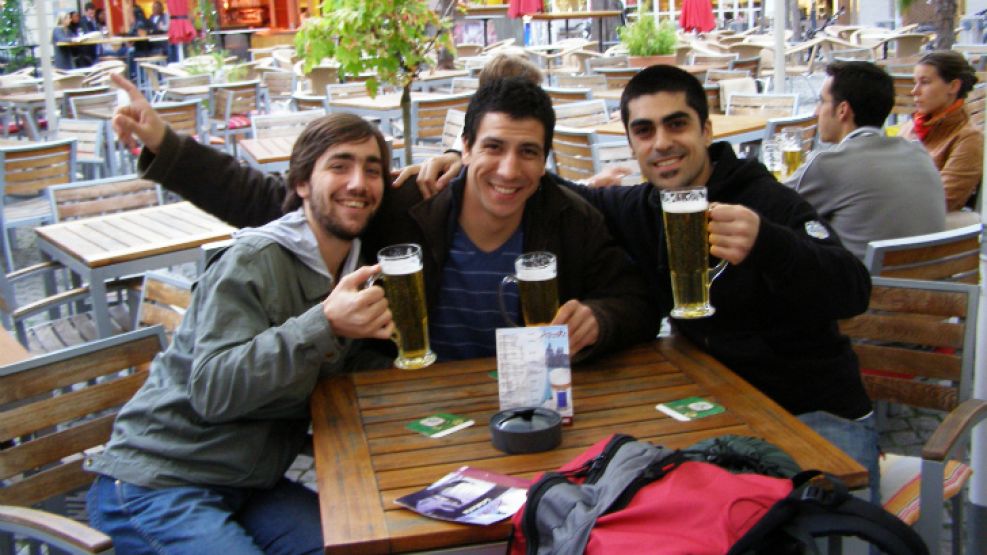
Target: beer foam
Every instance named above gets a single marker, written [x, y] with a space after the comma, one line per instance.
[686, 207]
[400, 267]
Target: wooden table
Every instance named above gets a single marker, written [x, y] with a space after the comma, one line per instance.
[598, 15]
[365, 458]
[104, 247]
[735, 129]
[196, 92]
[113, 40]
[28, 105]
[437, 78]
[10, 350]
[269, 154]
[383, 107]
[485, 13]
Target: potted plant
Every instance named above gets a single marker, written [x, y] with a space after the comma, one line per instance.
[395, 38]
[647, 42]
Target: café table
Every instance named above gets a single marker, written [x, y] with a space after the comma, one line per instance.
[485, 13]
[437, 79]
[383, 107]
[269, 154]
[11, 350]
[28, 105]
[598, 15]
[735, 129]
[365, 458]
[124, 243]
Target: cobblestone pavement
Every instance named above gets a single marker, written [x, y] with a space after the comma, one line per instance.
[904, 431]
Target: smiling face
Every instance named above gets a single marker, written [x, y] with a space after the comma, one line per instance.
[931, 93]
[504, 166]
[345, 188]
[668, 140]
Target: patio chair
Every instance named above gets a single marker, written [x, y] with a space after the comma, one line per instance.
[345, 90]
[98, 105]
[84, 199]
[746, 50]
[302, 101]
[164, 299]
[717, 75]
[770, 105]
[751, 64]
[578, 154]
[92, 141]
[277, 87]
[713, 98]
[592, 64]
[618, 77]
[560, 95]
[428, 116]
[585, 113]
[592, 82]
[25, 172]
[231, 106]
[452, 130]
[69, 94]
[185, 118]
[916, 345]
[906, 44]
[951, 255]
[976, 102]
[904, 102]
[468, 49]
[55, 409]
[713, 60]
[321, 76]
[283, 124]
[464, 84]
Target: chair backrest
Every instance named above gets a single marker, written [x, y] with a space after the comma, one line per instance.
[904, 103]
[321, 76]
[850, 54]
[64, 82]
[97, 103]
[917, 329]
[746, 49]
[164, 300]
[592, 82]
[27, 170]
[682, 54]
[572, 153]
[717, 75]
[56, 407]
[283, 124]
[713, 98]
[69, 94]
[714, 60]
[808, 123]
[606, 61]
[976, 103]
[21, 87]
[280, 84]
[345, 90]
[468, 49]
[464, 84]
[228, 99]
[771, 105]
[300, 102]
[585, 113]
[561, 95]
[751, 64]
[184, 117]
[453, 128]
[428, 116]
[200, 80]
[102, 196]
[618, 77]
[908, 44]
[951, 255]
[90, 137]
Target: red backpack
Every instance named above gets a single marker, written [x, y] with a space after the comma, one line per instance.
[625, 496]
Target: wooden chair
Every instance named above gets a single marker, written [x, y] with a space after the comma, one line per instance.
[25, 171]
[277, 86]
[468, 49]
[713, 98]
[907, 44]
[717, 75]
[451, 131]
[945, 256]
[585, 113]
[770, 105]
[283, 124]
[850, 55]
[916, 345]
[302, 101]
[751, 64]
[69, 94]
[578, 154]
[68, 82]
[164, 300]
[595, 63]
[976, 102]
[345, 90]
[721, 61]
[746, 49]
[54, 409]
[428, 116]
[92, 142]
[808, 123]
[560, 95]
[185, 118]
[617, 78]
[464, 84]
[105, 103]
[592, 82]
[321, 76]
[85, 199]
[230, 108]
[904, 103]
[197, 80]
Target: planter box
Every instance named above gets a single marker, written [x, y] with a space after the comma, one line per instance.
[645, 61]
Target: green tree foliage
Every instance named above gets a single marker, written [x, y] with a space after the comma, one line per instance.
[12, 34]
[395, 38]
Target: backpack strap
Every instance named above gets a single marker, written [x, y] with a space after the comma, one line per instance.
[811, 512]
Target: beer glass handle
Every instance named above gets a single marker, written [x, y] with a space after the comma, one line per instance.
[372, 280]
[500, 299]
[717, 270]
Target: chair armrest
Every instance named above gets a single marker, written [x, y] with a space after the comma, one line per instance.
[954, 428]
[57, 530]
[33, 269]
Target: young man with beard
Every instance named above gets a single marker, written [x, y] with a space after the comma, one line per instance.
[197, 458]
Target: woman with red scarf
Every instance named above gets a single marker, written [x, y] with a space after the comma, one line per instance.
[940, 122]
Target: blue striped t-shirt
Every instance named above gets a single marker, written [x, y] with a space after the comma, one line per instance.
[463, 322]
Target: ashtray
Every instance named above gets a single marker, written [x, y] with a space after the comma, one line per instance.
[526, 430]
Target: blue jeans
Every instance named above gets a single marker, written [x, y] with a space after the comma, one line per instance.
[190, 519]
[857, 438]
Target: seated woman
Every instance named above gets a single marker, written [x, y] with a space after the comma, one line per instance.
[941, 123]
[62, 33]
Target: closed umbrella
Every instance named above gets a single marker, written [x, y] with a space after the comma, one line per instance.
[180, 29]
[697, 15]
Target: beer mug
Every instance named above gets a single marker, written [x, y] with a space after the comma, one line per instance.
[771, 157]
[686, 212]
[404, 286]
[791, 149]
[535, 275]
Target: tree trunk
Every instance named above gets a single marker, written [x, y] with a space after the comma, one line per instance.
[795, 20]
[406, 118]
[945, 23]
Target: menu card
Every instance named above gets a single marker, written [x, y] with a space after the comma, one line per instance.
[533, 369]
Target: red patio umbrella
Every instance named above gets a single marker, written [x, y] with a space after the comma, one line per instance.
[697, 15]
[180, 29]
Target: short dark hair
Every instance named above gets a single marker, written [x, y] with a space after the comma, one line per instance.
[662, 78]
[89, 6]
[951, 65]
[517, 97]
[510, 65]
[318, 137]
[866, 87]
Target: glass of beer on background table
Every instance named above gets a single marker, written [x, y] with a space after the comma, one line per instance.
[686, 213]
[404, 285]
[535, 274]
[791, 149]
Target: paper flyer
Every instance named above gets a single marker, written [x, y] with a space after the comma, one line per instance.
[470, 496]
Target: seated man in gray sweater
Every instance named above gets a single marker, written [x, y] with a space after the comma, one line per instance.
[197, 458]
[868, 186]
